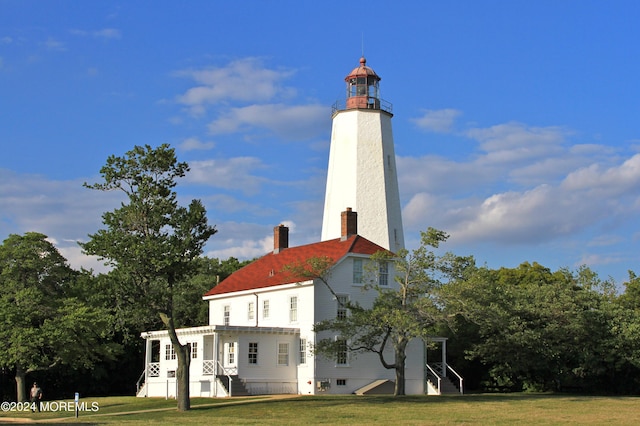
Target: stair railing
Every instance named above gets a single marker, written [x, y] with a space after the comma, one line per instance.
[224, 372]
[433, 377]
[140, 380]
[460, 379]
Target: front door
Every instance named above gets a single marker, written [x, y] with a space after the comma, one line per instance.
[230, 358]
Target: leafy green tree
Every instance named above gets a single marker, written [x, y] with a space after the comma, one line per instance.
[151, 240]
[630, 299]
[627, 328]
[400, 313]
[45, 323]
[190, 309]
[537, 329]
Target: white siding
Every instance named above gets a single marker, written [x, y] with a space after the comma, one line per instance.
[315, 303]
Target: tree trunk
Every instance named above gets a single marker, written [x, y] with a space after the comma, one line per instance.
[401, 356]
[182, 375]
[184, 361]
[21, 390]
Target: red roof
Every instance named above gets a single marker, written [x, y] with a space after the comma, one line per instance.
[268, 271]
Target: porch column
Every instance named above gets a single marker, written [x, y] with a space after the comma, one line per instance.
[147, 360]
[444, 357]
[216, 343]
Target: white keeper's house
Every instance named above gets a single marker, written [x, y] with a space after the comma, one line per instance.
[260, 335]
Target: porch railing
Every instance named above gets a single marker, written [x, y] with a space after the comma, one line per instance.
[208, 367]
[154, 369]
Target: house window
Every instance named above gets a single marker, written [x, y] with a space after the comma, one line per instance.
[253, 353]
[171, 373]
[383, 274]
[169, 352]
[265, 309]
[341, 382]
[341, 355]
[357, 271]
[293, 309]
[341, 306]
[303, 351]
[232, 353]
[251, 311]
[194, 350]
[283, 354]
[227, 315]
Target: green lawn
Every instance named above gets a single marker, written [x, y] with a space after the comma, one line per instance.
[498, 409]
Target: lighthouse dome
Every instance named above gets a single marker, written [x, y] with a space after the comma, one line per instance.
[362, 71]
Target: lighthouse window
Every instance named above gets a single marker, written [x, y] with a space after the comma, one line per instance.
[352, 87]
[373, 91]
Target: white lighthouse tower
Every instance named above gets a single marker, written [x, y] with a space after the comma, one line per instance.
[362, 164]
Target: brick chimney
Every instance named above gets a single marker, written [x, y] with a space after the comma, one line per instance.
[280, 238]
[349, 220]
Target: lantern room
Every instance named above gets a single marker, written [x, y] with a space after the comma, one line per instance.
[363, 90]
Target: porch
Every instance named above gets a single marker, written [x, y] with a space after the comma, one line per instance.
[225, 361]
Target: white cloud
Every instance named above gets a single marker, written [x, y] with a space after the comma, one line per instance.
[605, 240]
[105, 33]
[287, 122]
[599, 259]
[614, 181]
[236, 242]
[245, 80]
[437, 175]
[225, 203]
[238, 239]
[561, 190]
[232, 173]
[243, 250]
[65, 211]
[439, 121]
[77, 259]
[108, 33]
[515, 135]
[193, 144]
[53, 44]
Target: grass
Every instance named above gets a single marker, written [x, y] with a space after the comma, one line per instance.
[484, 409]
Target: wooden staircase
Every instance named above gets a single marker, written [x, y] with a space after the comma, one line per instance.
[447, 387]
[237, 385]
[449, 384]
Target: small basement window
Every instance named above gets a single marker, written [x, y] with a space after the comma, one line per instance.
[341, 382]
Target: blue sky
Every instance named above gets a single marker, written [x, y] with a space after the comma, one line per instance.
[515, 122]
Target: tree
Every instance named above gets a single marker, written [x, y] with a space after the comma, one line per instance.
[152, 240]
[45, 323]
[537, 329]
[190, 310]
[400, 313]
[627, 328]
